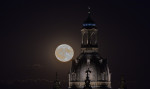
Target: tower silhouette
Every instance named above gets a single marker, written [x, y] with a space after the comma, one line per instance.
[89, 58]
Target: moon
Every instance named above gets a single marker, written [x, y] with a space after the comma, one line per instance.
[64, 53]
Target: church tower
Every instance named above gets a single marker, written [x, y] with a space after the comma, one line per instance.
[89, 35]
[89, 59]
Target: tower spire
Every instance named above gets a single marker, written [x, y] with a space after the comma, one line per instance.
[123, 84]
[56, 84]
[89, 10]
[89, 35]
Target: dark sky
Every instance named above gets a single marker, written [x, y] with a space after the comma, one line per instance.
[31, 30]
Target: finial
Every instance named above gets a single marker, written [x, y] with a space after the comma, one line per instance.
[123, 84]
[89, 10]
[88, 71]
[87, 81]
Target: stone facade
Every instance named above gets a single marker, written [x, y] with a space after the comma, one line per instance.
[89, 58]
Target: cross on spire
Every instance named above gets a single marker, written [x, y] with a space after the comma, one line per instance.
[87, 72]
[89, 10]
[87, 81]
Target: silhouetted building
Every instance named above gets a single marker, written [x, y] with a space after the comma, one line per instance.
[56, 83]
[123, 84]
[100, 77]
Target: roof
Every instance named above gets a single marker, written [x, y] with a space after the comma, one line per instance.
[89, 23]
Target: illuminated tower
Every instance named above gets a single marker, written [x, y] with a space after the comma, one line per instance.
[100, 77]
[89, 35]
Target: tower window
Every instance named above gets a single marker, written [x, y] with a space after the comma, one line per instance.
[89, 24]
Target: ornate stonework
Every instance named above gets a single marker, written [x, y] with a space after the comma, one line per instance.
[89, 58]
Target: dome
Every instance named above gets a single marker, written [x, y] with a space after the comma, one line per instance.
[89, 59]
[96, 64]
[89, 23]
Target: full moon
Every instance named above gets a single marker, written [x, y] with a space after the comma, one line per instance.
[64, 53]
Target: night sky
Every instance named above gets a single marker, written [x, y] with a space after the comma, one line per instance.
[30, 31]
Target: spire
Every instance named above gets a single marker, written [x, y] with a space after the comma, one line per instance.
[89, 23]
[56, 84]
[89, 10]
[123, 84]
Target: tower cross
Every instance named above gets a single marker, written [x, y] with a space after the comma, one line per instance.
[89, 10]
[87, 81]
[87, 72]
